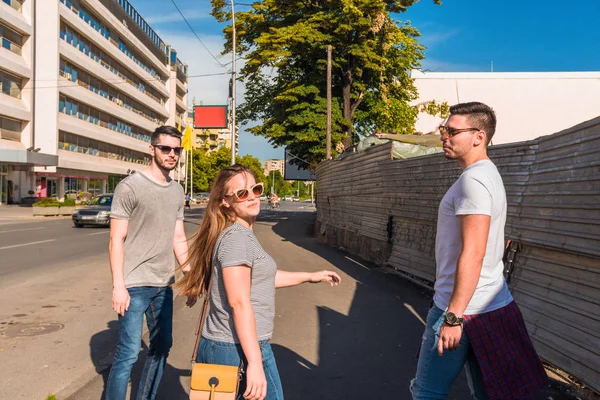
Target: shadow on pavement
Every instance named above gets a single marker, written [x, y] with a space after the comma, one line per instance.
[371, 352]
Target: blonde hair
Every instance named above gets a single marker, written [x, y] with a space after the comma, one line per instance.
[216, 219]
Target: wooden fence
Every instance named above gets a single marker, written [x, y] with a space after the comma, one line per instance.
[385, 211]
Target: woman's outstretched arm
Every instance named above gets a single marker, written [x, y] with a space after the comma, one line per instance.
[287, 279]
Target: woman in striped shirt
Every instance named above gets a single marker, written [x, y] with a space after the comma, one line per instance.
[225, 250]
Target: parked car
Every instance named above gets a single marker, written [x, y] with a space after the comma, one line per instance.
[287, 198]
[263, 197]
[295, 198]
[96, 213]
[200, 197]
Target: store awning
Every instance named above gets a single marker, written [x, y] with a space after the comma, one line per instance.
[16, 153]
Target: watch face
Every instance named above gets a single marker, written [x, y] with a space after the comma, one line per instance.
[451, 318]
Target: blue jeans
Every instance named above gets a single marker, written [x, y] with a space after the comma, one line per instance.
[435, 374]
[213, 352]
[157, 304]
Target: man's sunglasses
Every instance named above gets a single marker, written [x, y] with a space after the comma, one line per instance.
[242, 194]
[451, 132]
[167, 149]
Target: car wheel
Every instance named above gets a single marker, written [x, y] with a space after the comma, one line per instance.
[78, 225]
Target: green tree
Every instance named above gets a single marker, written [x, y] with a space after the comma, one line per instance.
[281, 188]
[254, 164]
[207, 166]
[284, 44]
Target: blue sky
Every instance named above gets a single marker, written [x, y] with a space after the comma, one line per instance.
[460, 35]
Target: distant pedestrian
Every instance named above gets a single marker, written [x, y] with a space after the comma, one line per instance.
[188, 198]
[474, 321]
[244, 278]
[146, 228]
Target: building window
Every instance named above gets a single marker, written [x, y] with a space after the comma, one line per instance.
[10, 84]
[10, 129]
[70, 72]
[81, 144]
[11, 40]
[94, 186]
[96, 117]
[76, 40]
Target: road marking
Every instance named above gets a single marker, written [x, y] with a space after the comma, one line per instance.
[21, 230]
[27, 244]
[357, 263]
[97, 233]
[413, 312]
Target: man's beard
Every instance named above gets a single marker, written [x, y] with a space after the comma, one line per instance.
[163, 164]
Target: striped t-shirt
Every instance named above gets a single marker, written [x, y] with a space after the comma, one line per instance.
[237, 246]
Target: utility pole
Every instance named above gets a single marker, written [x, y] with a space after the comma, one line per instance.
[233, 131]
[273, 185]
[328, 136]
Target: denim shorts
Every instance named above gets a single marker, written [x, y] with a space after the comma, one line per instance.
[213, 352]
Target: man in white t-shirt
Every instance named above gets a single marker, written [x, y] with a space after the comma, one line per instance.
[474, 321]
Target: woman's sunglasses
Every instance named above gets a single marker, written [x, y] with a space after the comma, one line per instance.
[167, 149]
[242, 194]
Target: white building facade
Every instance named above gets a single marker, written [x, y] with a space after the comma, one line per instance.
[527, 104]
[274, 165]
[88, 82]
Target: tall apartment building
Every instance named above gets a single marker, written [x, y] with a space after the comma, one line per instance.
[274, 165]
[84, 84]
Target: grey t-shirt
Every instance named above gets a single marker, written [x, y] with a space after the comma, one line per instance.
[152, 210]
[236, 246]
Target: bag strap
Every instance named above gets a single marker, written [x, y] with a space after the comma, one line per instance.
[203, 315]
[204, 311]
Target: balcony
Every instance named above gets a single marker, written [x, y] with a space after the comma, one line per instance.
[104, 73]
[87, 162]
[105, 32]
[124, 111]
[110, 48]
[100, 132]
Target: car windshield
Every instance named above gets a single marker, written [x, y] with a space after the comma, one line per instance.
[104, 201]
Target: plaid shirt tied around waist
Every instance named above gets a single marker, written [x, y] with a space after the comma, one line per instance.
[509, 364]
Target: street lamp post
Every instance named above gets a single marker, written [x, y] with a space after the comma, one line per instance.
[233, 133]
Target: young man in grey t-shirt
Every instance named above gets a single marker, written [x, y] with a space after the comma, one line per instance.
[146, 229]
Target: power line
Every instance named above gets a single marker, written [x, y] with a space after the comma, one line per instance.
[116, 82]
[195, 34]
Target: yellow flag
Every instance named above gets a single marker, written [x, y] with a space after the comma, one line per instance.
[186, 143]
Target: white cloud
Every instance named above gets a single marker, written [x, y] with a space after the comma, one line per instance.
[214, 90]
[432, 39]
[190, 15]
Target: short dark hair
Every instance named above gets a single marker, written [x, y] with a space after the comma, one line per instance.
[480, 115]
[165, 130]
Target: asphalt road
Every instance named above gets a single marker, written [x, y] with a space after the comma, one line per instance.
[57, 329]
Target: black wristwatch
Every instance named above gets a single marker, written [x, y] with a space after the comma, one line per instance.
[452, 319]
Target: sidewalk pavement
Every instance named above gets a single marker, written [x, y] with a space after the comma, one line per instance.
[15, 212]
[356, 341]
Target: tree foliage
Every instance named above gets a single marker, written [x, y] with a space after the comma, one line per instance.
[206, 167]
[284, 44]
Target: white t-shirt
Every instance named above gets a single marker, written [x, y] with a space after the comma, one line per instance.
[479, 190]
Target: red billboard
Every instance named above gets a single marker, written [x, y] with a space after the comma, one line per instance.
[206, 117]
